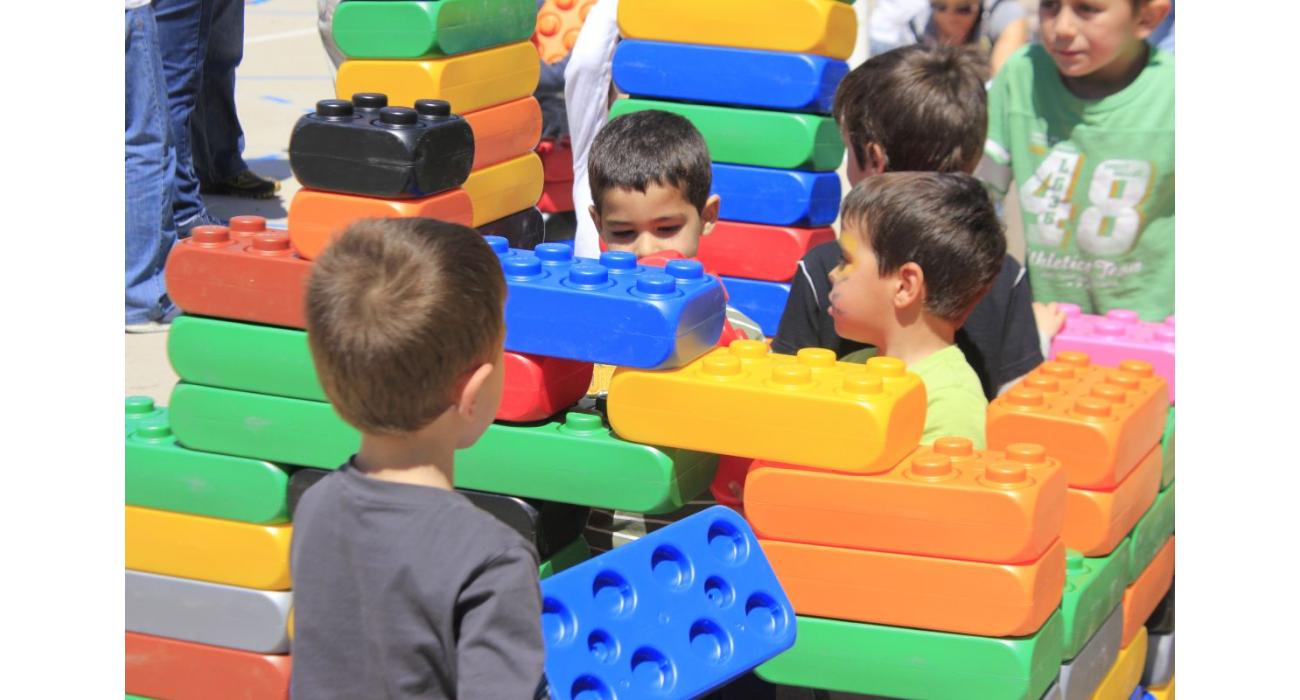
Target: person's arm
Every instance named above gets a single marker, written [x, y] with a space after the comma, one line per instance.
[994, 168]
[1013, 37]
[1022, 346]
[499, 651]
[587, 84]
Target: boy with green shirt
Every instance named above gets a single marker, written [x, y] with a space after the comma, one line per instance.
[919, 251]
[1084, 124]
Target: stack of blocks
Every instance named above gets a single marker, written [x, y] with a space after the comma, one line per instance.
[757, 79]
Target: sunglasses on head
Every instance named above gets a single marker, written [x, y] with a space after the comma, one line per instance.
[963, 10]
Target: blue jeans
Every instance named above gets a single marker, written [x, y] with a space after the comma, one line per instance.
[183, 27]
[150, 163]
[217, 139]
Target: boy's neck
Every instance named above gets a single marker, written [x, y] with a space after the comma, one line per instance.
[916, 341]
[417, 458]
[1112, 78]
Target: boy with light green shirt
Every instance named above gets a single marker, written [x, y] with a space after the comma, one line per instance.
[919, 252]
[1084, 125]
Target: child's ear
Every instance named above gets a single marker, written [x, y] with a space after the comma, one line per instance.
[595, 216]
[1150, 17]
[472, 384]
[709, 214]
[876, 160]
[911, 285]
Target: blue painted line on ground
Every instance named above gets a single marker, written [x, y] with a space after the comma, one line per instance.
[277, 100]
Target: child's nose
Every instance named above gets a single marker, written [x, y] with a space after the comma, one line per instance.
[1066, 24]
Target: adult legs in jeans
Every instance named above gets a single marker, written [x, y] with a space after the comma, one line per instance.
[150, 164]
[183, 27]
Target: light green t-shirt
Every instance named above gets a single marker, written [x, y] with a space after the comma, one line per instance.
[1095, 179]
[954, 399]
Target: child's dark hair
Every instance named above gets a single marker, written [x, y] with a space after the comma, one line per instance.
[944, 222]
[924, 106]
[649, 147]
[397, 311]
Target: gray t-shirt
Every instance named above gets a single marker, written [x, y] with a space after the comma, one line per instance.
[404, 591]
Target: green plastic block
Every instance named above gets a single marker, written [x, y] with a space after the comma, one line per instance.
[161, 474]
[1167, 451]
[139, 408]
[902, 662]
[243, 356]
[576, 461]
[573, 554]
[406, 30]
[788, 140]
[1093, 587]
[1150, 533]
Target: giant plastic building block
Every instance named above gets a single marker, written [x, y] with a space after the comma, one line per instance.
[1165, 692]
[758, 252]
[277, 361]
[1150, 533]
[776, 197]
[139, 409]
[1082, 675]
[1093, 588]
[680, 611]
[316, 218]
[468, 81]
[1098, 521]
[1159, 668]
[402, 153]
[1099, 422]
[610, 310]
[756, 137]
[208, 613]
[522, 229]
[1161, 620]
[719, 75]
[950, 595]
[803, 26]
[163, 475]
[762, 301]
[574, 461]
[505, 188]
[557, 159]
[1167, 448]
[558, 25]
[807, 409]
[217, 272]
[565, 558]
[157, 667]
[944, 500]
[505, 131]
[208, 549]
[401, 29]
[1144, 594]
[900, 662]
[1127, 671]
[1119, 335]
[556, 197]
[1053, 692]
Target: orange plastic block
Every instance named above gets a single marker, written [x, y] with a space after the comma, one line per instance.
[948, 595]
[504, 131]
[558, 24]
[316, 217]
[245, 273]
[158, 667]
[1097, 521]
[1144, 594]
[469, 81]
[945, 500]
[1098, 421]
[497, 191]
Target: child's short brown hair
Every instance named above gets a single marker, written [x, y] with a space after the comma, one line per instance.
[924, 106]
[397, 311]
[650, 147]
[944, 222]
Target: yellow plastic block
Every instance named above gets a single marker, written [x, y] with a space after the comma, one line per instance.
[505, 188]
[804, 410]
[468, 81]
[806, 26]
[1124, 676]
[208, 549]
[1164, 692]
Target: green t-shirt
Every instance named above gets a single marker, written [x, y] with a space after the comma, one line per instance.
[954, 399]
[1095, 179]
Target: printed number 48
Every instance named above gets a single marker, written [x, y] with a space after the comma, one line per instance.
[1110, 225]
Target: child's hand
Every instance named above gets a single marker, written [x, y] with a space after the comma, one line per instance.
[1049, 318]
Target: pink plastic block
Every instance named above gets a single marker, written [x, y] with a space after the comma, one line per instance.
[1119, 335]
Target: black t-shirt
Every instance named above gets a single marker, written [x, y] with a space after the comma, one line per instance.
[999, 339]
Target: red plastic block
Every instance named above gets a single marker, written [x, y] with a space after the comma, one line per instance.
[948, 595]
[316, 217]
[558, 24]
[728, 487]
[557, 159]
[244, 273]
[1119, 335]
[556, 197]
[1144, 594]
[504, 131]
[944, 500]
[1098, 421]
[157, 667]
[759, 252]
[1097, 521]
[538, 387]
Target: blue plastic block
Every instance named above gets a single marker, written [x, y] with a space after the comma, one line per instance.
[1140, 693]
[682, 610]
[612, 310]
[793, 82]
[759, 300]
[776, 197]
